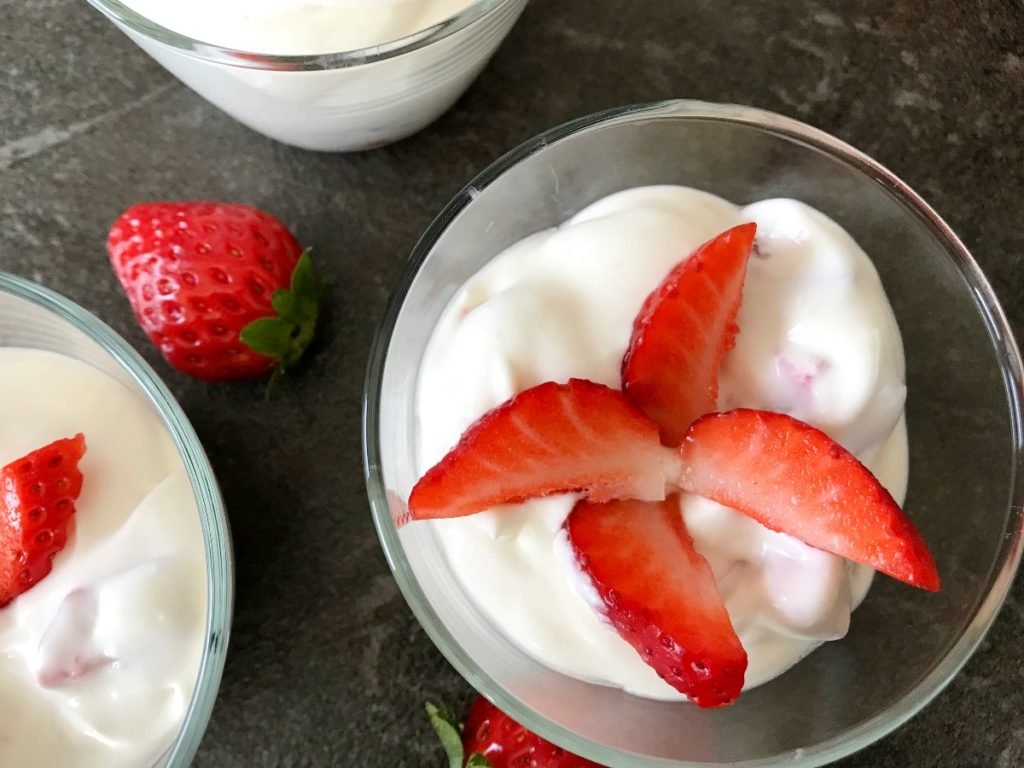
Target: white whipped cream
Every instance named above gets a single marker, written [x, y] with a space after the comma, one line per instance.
[98, 661]
[297, 27]
[817, 340]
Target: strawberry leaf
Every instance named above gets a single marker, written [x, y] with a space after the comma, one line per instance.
[305, 289]
[270, 336]
[285, 337]
[283, 303]
[476, 760]
[447, 729]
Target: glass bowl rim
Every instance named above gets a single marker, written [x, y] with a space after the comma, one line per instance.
[1012, 369]
[121, 14]
[212, 512]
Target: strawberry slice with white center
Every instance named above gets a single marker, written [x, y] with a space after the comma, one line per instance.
[795, 479]
[683, 331]
[660, 595]
[553, 438]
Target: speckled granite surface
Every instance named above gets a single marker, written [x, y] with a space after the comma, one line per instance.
[327, 666]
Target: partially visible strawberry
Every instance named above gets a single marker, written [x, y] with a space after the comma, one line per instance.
[660, 595]
[37, 502]
[793, 478]
[492, 739]
[554, 438]
[225, 291]
[683, 332]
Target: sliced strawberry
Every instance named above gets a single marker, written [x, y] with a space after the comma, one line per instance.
[554, 438]
[793, 478]
[660, 595]
[683, 331]
[37, 501]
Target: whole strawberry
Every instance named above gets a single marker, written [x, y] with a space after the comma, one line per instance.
[492, 739]
[223, 290]
[37, 504]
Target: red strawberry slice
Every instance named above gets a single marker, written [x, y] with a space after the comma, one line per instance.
[37, 500]
[660, 595]
[683, 332]
[793, 478]
[554, 438]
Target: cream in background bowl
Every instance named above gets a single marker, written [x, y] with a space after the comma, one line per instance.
[334, 75]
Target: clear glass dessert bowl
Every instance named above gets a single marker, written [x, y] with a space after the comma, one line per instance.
[964, 383]
[34, 317]
[344, 101]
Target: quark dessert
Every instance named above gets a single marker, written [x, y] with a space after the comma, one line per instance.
[817, 341]
[99, 659]
[331, 103]
[297, 27]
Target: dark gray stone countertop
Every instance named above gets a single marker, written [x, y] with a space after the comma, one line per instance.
[327, 665]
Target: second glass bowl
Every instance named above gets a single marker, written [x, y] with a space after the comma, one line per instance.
[33, 317]
[963, 412]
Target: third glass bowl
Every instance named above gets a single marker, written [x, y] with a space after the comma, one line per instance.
[963, 413]
[36, 318]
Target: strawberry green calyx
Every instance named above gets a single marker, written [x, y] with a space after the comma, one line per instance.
[285, 336]
[446, 726]
[442, 720]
